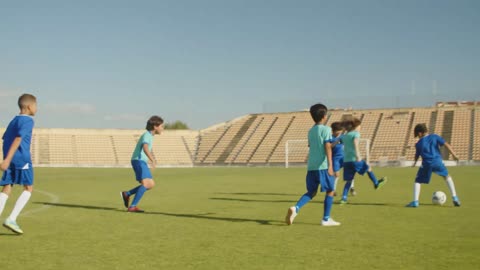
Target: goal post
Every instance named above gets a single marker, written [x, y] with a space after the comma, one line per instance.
[296, 151]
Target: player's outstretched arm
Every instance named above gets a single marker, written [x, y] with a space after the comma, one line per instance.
[449, 148]
[13, 148]
[328, 152]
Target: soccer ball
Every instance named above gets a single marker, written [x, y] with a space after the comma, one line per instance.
[439, 198]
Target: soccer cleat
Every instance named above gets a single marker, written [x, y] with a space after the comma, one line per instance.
[291, 214]
[343, 202]
[330, 222]
[456, 201]
[381, 182]
[135, 209]
[412, 204]
[125, 198]
[353, 192]
[13, 226]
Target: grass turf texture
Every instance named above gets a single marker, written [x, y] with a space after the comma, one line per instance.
[233, 218]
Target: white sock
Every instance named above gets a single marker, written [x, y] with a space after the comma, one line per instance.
[451, 185]
[416, 191]
[335, 185]
[353, 183]
[3, 201]
[21, 202]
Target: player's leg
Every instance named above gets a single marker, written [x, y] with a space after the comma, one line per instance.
[353, 191]
[327, 182]
[22, 177]
[337, 175]
[441, 170]
[147, 184]
[348, 175]
[312, 181]
[6, 190]
[423, 176]
[363, 167]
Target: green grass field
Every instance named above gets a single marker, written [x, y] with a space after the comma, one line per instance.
[233, 218]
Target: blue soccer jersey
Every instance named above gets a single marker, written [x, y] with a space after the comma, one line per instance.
[318, 135]
[428, 148]
[21, 126]
[337, 151]
[138, 153]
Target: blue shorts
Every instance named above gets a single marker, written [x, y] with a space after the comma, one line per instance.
[141, 170]
[13, 176]
[351, 168]
[320, 177]
[337, 164]
[424, 173]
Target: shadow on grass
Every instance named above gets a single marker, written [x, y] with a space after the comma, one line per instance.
[249, 200]
[257, 193]
[206, 216]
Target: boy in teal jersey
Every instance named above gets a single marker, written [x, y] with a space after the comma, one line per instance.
[352, 161]
[140, 157]
[320, 168]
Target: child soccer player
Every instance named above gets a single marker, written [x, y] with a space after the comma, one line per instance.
[337, 153]
[17, 161]
[320, 171]
[352, 161]
[428, 147]
[140, 157]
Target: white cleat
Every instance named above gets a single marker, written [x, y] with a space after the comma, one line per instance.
[291, 214]
[330, 222]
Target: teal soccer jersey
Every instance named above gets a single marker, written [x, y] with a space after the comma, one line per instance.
[318, 135]
[349, 146]
[138, 153]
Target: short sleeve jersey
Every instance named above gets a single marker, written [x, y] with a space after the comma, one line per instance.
[21, 126]
[138, 153]
[349, 146]
[428, 148]
[318, 135]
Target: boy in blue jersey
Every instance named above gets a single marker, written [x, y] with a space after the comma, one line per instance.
[320, 169]
[140, 157]
[352, 161]
[17, 161]
[428, 147]
[337, 152]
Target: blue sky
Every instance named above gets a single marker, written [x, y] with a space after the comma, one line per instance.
[112, 64]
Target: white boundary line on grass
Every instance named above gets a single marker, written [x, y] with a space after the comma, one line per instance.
[53, 199]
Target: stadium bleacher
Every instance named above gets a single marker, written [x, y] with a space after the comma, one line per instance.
[260, 139]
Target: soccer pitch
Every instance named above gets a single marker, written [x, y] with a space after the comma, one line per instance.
[233, 218]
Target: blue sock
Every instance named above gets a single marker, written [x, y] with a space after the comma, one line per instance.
[303, 200]
[346, 189]
[141, 190]
[372, 177]
[133, 190]
[327, 207]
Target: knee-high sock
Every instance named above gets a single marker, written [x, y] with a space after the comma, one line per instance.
[335, 185]
[138, 196]
[327, 207]
[133, 190]
[353, 183]
[346, 188]
[3, 201]
[304, 200]
[451, 185]
[20, 204]
[416, 191]
[372, 177]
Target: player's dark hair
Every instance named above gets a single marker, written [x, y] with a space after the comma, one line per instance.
[420, 128]
[25, 100]
[153, 122]
[352, 124]
[336, 126]
[318, 112]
